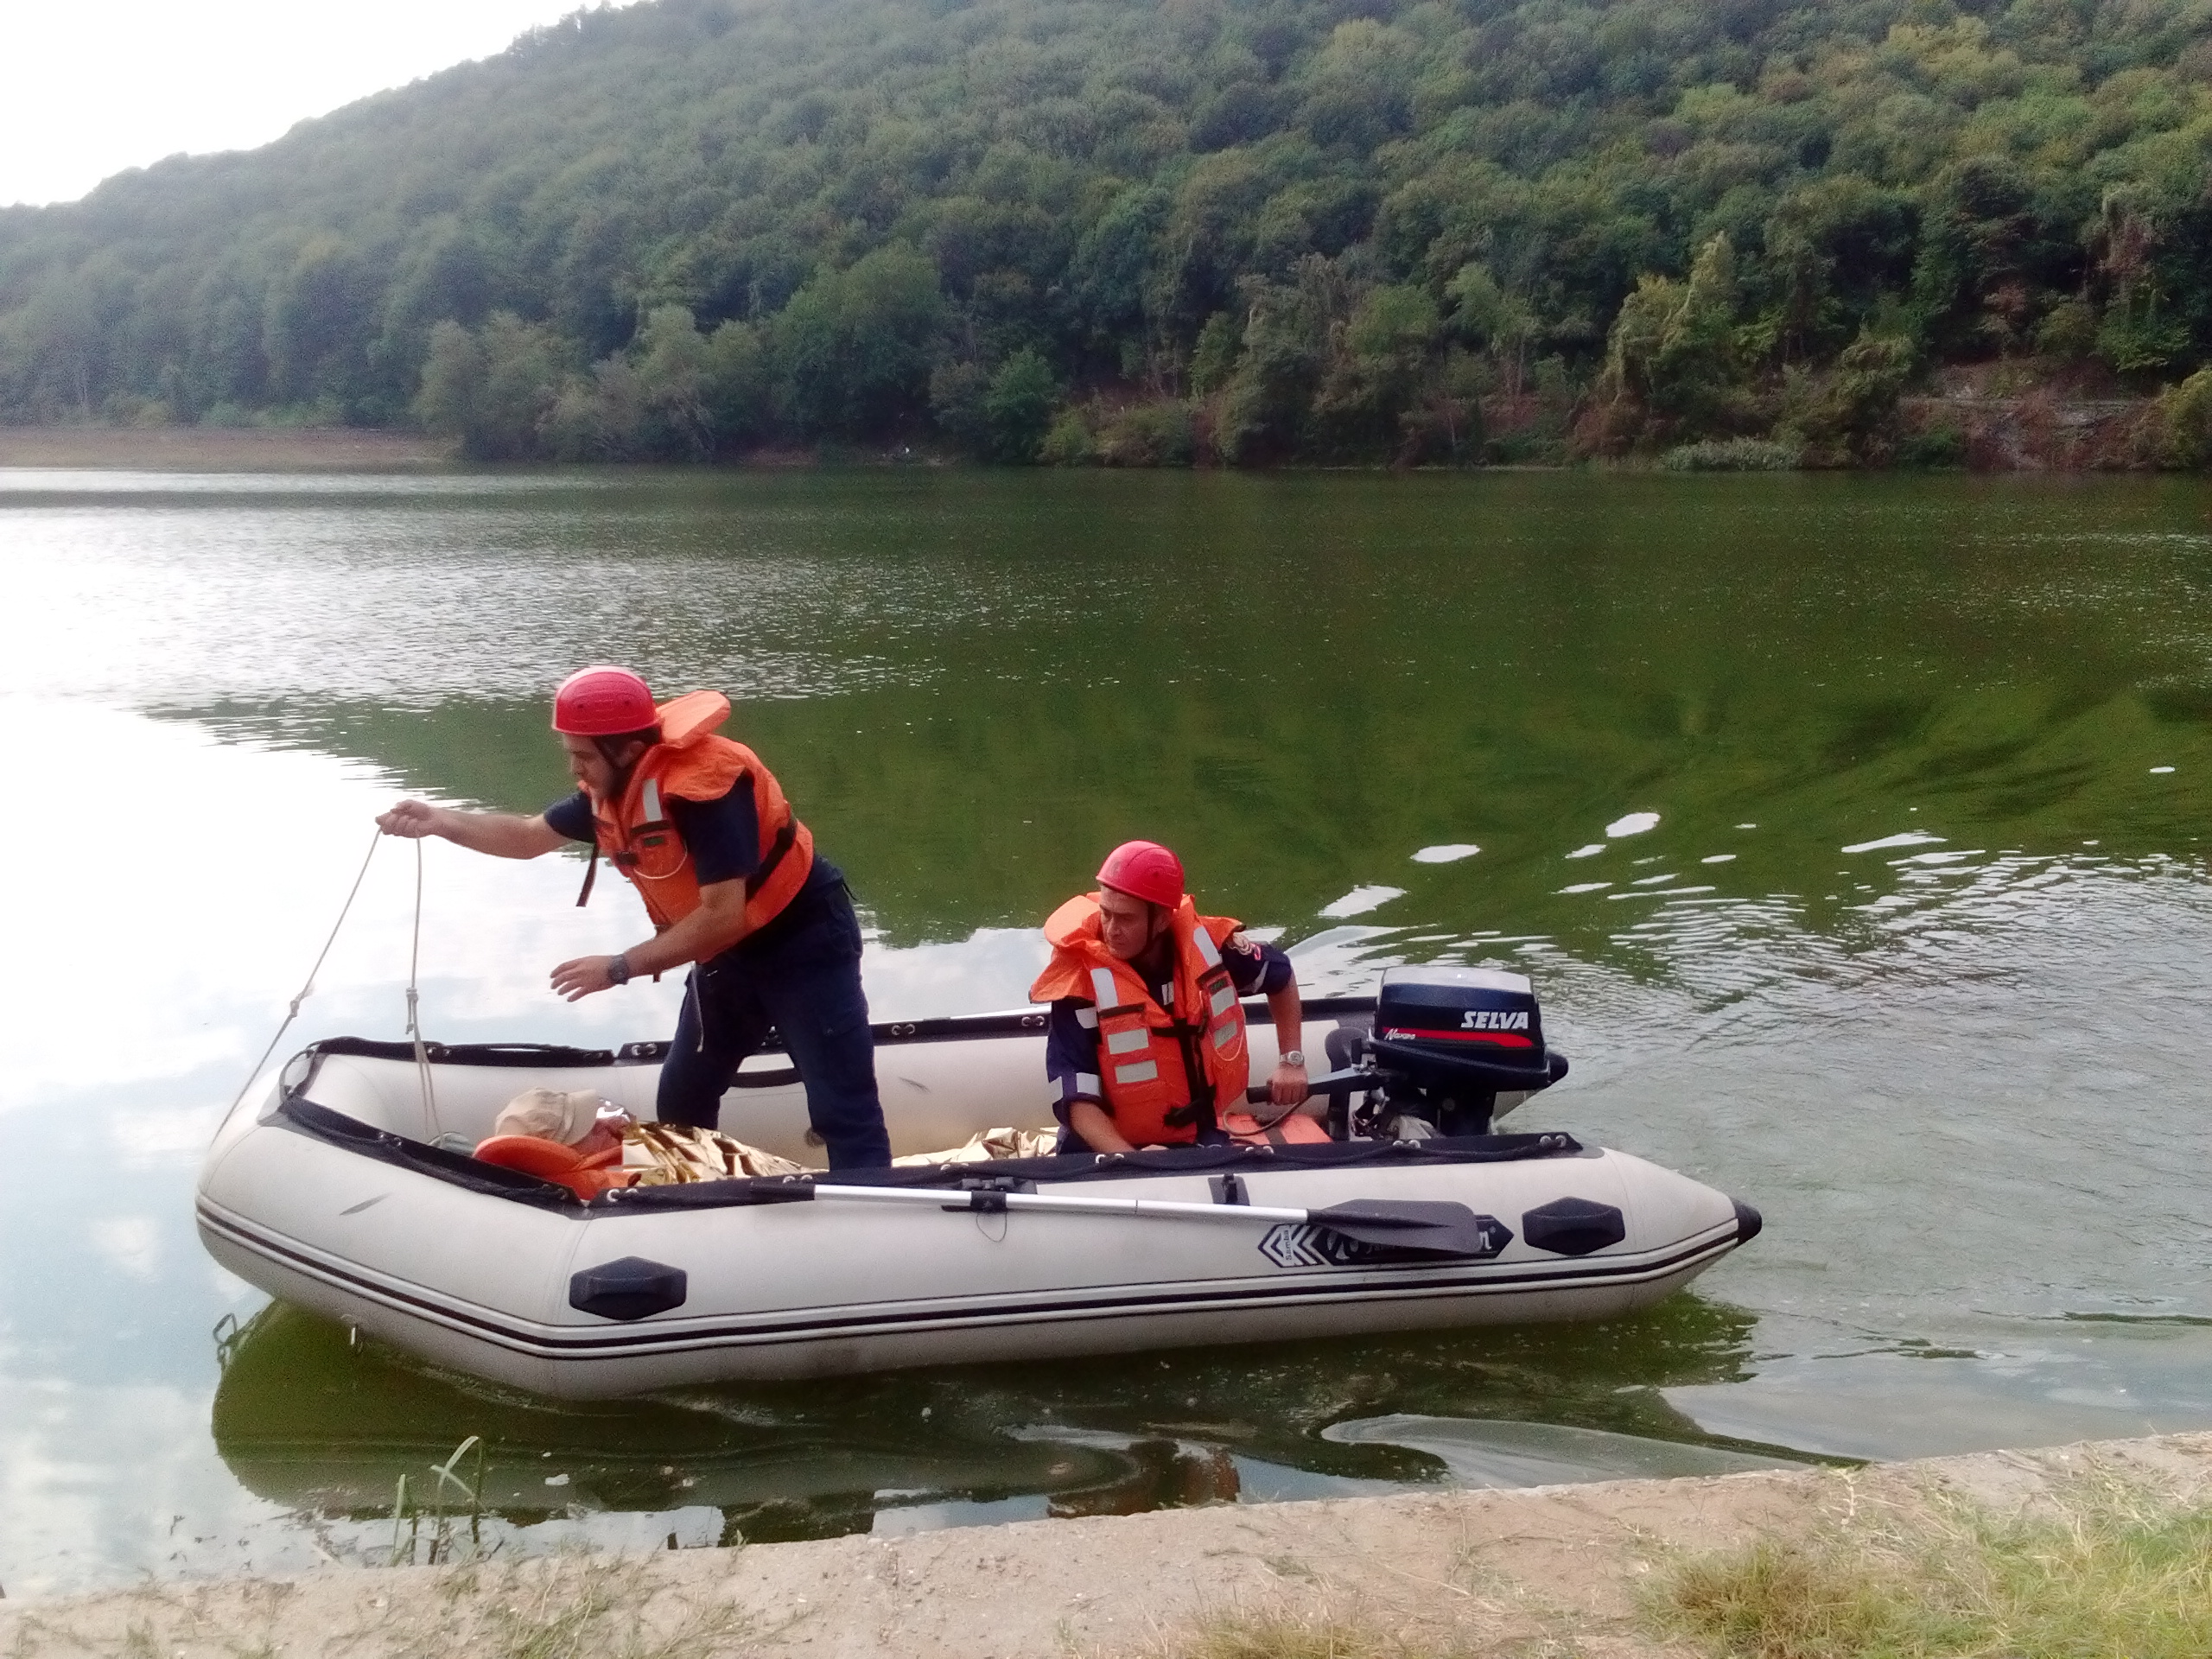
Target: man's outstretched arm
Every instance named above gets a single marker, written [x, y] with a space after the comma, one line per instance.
[503, 834]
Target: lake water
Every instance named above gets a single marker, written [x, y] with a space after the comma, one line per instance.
[1848, 826]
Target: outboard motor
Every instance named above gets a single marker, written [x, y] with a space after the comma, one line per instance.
[1447, 1043]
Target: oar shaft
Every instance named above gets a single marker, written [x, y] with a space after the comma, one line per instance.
[1426, 1228]
[1064, 1204]
[1163, 1207]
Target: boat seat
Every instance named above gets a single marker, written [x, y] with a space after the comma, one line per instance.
[550, 1160]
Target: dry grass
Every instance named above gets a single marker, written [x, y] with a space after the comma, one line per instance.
[566, 1607]
[1285, 1633]
[1240, 1635]
[576, 1607]
[2100, 1570]
[2096, 1568]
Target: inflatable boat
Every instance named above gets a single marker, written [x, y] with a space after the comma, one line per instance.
[349, 1192]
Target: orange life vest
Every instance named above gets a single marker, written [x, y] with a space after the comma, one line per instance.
[690, 763]
[585, 1176]
[1146, 1050]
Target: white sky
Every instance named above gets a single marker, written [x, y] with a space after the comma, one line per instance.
[89, 87]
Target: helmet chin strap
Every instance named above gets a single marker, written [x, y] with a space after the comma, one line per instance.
[617, 783]
[1162, 931]
[621, 770]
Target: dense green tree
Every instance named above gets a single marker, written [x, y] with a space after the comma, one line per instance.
[735, 392]
[1676, 354]
[2185, 421]
[852, 350]
[1288, 228]
[1018, 407]
[492, 389]
[1389, 352]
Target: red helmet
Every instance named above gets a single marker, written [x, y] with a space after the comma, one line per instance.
[1145, 870]
[603, 702]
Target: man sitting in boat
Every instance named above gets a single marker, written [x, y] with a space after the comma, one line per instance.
[1145, 1040]
[728, 876]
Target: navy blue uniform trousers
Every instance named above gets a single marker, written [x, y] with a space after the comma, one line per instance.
[804, 981]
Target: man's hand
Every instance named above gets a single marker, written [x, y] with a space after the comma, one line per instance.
[1287, 1085]
[501, 833]
[411, 819]
[579, 979]
[1089, 1119]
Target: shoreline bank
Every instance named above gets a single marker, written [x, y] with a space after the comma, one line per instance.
[1461, 1570]
[2036, 432]
[219, 450]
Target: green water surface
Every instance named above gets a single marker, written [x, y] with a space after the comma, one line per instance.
[1848, 827]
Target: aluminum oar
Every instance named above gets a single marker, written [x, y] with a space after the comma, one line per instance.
[1429, 1227]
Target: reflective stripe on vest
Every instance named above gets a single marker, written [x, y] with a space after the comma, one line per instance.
[1121, 1030]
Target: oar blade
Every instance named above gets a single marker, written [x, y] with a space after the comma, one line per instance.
[1416, 1226]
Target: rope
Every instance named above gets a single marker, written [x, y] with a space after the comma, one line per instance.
[414, 1000]
[308, 989]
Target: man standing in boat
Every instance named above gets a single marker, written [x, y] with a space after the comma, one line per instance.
[729, 876]
[1145, 1040]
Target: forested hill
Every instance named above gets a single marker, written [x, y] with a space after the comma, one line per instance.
[1161, 230]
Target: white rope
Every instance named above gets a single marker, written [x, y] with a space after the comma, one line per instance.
[308, 989]
[414, 1008]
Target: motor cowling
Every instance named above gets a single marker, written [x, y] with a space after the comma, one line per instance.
[1450, 1040]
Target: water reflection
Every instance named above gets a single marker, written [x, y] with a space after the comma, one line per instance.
[1507, 1453]
[309, 1421]
[970, 681]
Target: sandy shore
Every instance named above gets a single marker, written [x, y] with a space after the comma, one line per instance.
[1550, 1569]
[209, 448]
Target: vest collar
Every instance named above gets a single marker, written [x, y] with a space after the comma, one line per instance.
[685, 720]
[1075, 925]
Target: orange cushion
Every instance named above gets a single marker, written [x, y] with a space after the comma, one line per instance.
[550, 1161]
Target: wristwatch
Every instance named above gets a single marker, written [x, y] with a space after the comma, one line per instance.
[618, 969]
[1294, 1057]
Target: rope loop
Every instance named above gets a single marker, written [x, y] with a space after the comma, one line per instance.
[308, 989]
[414, 1024]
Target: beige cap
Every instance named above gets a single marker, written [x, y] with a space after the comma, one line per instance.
[550, 1114]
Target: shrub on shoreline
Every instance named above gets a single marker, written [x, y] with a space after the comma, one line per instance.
[1733, 455]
